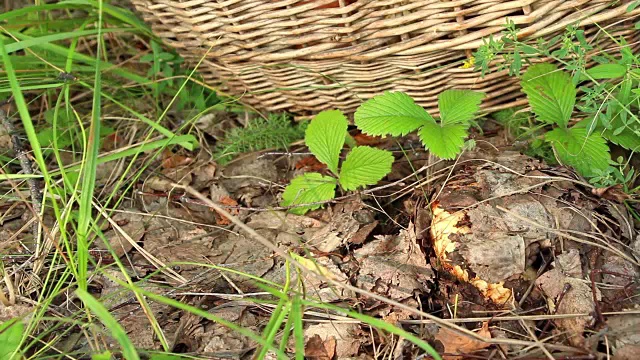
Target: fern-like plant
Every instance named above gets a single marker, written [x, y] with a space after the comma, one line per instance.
[325, 136]
[274, 132]
[395, 113]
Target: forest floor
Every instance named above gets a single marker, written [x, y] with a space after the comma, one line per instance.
[494, 255]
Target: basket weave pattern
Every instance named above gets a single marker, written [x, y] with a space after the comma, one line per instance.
[305, 56]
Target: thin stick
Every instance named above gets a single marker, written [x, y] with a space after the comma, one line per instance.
[25, 164]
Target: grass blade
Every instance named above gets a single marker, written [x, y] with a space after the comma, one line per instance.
[128, 350]
[90, 164]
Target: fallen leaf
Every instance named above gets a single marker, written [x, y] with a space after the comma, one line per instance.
[110, 142]
[317, 349]
[226, 200]
[364, 139]
[204, 175]
[612, 193]
[347, 336]
[456, 345]
[164, 183]
[310, 163]
[314, 266]
[578, 299]
[393, 266]
[361, 235]
[171, 160]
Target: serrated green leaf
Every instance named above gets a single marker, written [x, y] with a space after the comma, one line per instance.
[551, 93]
[607, 71]
[392, 113]
[626, 139]
[325, 137]
[308, 188]
[363, 166]
[588, 154]
[458, 106]
[444, 141]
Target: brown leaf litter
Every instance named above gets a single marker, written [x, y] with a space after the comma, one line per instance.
[492, 223]
[343, 339]
[457, 346]
[577, 298]
[500, 214]
[503, 232]
[393, 266]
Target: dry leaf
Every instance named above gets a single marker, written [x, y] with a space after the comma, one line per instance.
[314, 267]
[363, 139]
[310, 163]
[612, 193]
[347, 337]
[171, 160]
[110, 142]
[226, 200]
[317, 349]
[361, 235]
[456, 345]
[204, 175]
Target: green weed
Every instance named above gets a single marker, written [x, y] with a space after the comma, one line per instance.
[273, 132]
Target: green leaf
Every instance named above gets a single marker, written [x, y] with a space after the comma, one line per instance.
[551, 93]
[626, 139]
[392, 113]
[308, 188]
[588, 154]
[620, 131]
[325, 137]
[10, 338]
[444, 141]
[607, 71]
[363, 166]
[458, 106]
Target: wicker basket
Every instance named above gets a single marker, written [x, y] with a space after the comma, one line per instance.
[305, 56]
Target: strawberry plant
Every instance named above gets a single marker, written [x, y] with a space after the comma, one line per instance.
[392, 113]
[397, 114]
[552, 95]
[325, 136]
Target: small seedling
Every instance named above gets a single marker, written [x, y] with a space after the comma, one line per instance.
[325, 136]
[396, 114]
[273, 132]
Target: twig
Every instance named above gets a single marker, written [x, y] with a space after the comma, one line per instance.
[25, 164]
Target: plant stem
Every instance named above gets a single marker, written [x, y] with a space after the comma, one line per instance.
[25, 164]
